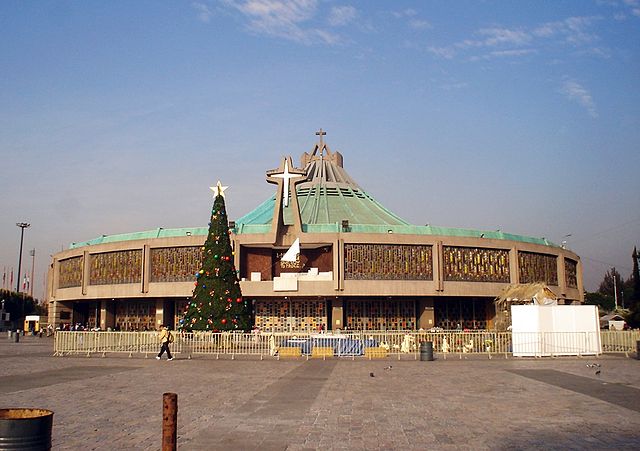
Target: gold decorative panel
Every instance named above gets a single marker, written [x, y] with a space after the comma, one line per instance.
[472, 264]
[283, 316]
[571, 273]
[135, 316]
[462, 313]
[70, 274]
[538, 268]
[380, 314]
[388, 262]
[113, 268]
[175, 264]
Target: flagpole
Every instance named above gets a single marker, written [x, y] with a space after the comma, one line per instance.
[32, 252]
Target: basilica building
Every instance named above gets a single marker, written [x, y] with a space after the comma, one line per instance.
[320, 253]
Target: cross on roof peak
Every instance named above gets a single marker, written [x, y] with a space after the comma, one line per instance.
[321, 133]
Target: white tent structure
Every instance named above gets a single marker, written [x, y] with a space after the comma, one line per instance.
[554, 330]
[540, 327]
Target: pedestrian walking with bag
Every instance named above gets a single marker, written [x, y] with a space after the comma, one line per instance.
[166, 338]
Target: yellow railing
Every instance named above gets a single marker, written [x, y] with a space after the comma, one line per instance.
[394, 344]
[619, 340]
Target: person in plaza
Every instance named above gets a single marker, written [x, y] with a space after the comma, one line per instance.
[166, 337]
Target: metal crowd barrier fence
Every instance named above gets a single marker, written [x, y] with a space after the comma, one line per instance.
[619, 340]
[390, 344]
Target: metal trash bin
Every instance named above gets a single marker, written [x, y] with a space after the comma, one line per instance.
[426, 351]
[16, 337]
[25, 429]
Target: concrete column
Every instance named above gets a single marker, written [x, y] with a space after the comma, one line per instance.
[86, 271]
[580, 281]
[159, 312]
[107, 314]
[438, 265]
[337, 314]
[146, 268]
[426, 314]
[514, 269]
[54, 272]
[338, 265]
[562, 280]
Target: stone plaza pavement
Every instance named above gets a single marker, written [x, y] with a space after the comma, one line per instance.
[115, 402]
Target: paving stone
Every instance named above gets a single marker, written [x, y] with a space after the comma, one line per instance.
[116, 402]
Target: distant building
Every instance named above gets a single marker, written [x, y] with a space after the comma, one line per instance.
[355, 264]
[612, 321]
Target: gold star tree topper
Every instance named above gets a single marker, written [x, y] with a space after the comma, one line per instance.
[218, 190]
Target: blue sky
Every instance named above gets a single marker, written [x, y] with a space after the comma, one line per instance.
[521, 116]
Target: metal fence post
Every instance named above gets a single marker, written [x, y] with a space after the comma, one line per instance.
[169, 422]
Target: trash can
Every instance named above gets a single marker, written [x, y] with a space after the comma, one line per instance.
[25, 429]
[426, 351]
[16, 336]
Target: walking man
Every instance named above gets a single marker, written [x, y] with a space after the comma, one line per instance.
[165, 339]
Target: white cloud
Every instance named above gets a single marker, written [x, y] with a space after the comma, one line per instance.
[418, 24]
[283, 18]
[204, 12]
[442, 52]
[405, 13]
[577, 93]
[514, 42]
[518, 52]
[574, 29]
[501, 36]
[634, 5]
[504, 54]
[413, 21]
[342, 15]
[602, 52]
[454, 86]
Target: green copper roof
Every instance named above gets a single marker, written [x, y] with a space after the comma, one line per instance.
[326, 197]
[316, 228]
[156, 233]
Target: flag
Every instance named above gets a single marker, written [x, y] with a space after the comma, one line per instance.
[25, 283]
[293, 253]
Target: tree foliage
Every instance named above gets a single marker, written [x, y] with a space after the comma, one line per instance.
[604, 302]
[217, 303]
[13, 304]
[634, 298]
[612, 281]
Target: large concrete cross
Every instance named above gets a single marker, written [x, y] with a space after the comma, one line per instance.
[321, 133]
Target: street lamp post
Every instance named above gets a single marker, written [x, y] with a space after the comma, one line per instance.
[615, 288]
[22, 225]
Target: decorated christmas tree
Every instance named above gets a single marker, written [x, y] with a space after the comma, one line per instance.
[217, 303]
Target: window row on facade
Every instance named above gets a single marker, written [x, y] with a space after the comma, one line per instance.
[361, 262]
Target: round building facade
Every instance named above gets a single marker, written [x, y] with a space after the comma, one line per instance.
[356, 265]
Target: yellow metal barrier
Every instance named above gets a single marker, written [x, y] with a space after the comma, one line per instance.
[289, 352]
[321, 352]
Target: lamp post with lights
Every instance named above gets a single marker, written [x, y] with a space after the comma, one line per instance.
[22, 225]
